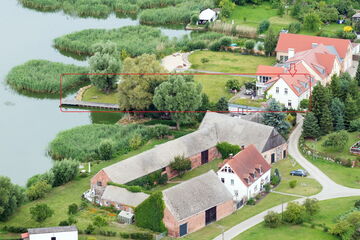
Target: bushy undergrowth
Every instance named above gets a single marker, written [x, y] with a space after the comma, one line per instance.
[179, 14]
[43, 76]
[84, 143]
[136, 40]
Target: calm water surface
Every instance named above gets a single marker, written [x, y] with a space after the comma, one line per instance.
[28, 124]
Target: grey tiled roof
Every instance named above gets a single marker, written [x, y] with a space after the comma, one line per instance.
[52, 229]
[196, 195]
[123, 196]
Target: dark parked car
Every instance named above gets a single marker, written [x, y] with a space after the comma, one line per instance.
[299, 172]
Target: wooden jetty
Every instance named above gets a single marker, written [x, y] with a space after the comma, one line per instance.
[77, 103]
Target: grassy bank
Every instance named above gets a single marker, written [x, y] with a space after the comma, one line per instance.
[306, 186]
[135, 40]
[214, 86]
[42, 76]
[83, 143]
[329, 210]
[93, 94]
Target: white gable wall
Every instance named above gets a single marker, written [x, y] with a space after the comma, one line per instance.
[243, 191]
[282, 97]
[59, 236]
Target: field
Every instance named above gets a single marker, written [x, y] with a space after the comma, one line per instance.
[255, 14]
[214, 86]
[95, 95]
[306, 186]
[345, 153]
[329, 209]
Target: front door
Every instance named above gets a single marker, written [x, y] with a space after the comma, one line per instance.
[183, 229]
[273, 158]
[204, 157]
[210, 215]
[284, 154]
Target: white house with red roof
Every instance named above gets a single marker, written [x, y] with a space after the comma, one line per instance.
[245, 174]
[290, 44]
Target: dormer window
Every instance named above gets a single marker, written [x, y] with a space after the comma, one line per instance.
[286, 91]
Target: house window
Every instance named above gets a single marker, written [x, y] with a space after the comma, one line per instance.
[53, 238]
[289, 103]
[223, 180]
[232, 181]
[286, 91]
[277, 90]
[236, 192]
[99, 183]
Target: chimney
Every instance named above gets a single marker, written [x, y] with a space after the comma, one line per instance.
[231, 155]
[242, 147]
[291, 53]
[314, 45]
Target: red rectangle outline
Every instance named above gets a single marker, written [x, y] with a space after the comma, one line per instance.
[137, 74]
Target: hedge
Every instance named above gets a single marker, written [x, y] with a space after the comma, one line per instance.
[149, 214]
[226, 149]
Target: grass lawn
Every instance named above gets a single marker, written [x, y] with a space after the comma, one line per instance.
[214, 86]
[94, 95]
[349, 177]
[306, 186]
[255, 14]
[345, 153]
[249, 102]
[60, 197]
[329, 210]
[213, 165]
[214, 229]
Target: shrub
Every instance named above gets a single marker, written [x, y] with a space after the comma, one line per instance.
[357, 204]
[105, 150]
[311, 206]
[73, 209]
[135, 142]
[292, 183]
[99, 222]
[149, 214]
[294, 214]
[272, 219]
[181, 165]
[160, 131]
[43, 76]
[14, 229]
[194, 19]
[64, 171]
[249, 44]
[143, 236]
[336, 140]
[260, 47]
[215, 46]
[275, 180]
[225, 41]
[233, 84]
[263, 26]
[64, 223]
[38, 190]
[251, 201]
[354, 125]
[40, 212]
[12, 196]
[89, 229]
[226, 149]
[267, 187]
[204, 60]
[294, 27]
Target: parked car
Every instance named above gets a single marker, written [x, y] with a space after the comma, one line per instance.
[299, 172]
[249, 92]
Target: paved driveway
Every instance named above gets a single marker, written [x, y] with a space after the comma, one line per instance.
[330, 188]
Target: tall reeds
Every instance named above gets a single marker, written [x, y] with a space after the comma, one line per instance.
[234, 30]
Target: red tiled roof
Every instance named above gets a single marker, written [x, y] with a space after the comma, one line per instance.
[298, 83]
[304, 42]
[246, 162]
[269, 69]
[24, 235]
[319, 57]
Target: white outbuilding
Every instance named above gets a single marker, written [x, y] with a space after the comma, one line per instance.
[208, 15]
[51, 233]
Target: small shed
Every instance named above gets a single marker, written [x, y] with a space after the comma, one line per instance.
[356, 17]
[126, 217]
[208, 15]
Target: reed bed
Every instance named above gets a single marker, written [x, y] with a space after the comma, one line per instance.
[136, 40]
[82, 143]
[97, 8]
[178, 14]
[42, 76]
[234, 30]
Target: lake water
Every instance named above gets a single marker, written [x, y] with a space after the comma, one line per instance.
[28, 124]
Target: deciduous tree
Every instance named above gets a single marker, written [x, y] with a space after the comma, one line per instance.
[179, 95]
[11, 197]
[40, 212]
[102, 63]
[270, 42]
